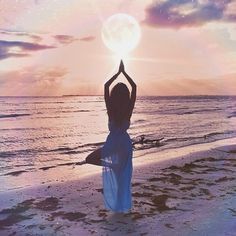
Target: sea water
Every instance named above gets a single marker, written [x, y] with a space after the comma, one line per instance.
[39, 132]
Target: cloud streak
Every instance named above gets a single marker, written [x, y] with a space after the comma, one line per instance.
[19, 48]
[65, 39]
[68, 39]
[34, 37]
[87, 39]
[188, 13]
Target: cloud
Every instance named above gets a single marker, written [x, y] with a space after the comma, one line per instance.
[32, 81]
[34, 37]
[19, 48]
[188, 13]
[67, 39]
[87, 39]
[223, 85]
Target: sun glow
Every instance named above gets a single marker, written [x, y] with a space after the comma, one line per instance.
[121, 34]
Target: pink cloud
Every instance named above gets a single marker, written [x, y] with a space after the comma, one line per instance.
[8, 48]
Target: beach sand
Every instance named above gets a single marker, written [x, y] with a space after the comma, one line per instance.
[185, 191]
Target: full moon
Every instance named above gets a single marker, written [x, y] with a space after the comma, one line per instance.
[121, 33]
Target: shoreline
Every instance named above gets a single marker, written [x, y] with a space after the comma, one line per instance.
[59, 174]
[194, 194]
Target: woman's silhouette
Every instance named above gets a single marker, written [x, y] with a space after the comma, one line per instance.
[116, 154]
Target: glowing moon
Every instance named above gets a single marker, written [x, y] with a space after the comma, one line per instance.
[121, 33]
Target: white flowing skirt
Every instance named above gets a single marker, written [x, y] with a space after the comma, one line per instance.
[116, 156]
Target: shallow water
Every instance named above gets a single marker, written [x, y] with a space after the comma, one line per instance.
[37, 132]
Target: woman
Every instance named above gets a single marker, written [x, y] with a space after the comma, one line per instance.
[116, 154]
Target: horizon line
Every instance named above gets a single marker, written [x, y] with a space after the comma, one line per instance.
[86, 95]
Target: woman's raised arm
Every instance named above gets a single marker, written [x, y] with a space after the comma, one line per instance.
[106, 89]
[133, 86]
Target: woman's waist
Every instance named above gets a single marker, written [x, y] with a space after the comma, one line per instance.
[119, 127]
[117, 132]
[119, 135]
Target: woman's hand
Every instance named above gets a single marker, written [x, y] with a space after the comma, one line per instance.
[121, 67]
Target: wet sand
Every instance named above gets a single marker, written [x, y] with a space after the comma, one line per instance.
[194, 194]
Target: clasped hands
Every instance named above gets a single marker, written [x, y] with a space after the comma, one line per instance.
[121, 68]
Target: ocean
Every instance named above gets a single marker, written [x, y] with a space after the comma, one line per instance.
[40, 132]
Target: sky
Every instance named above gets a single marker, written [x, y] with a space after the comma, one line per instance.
[54, 47]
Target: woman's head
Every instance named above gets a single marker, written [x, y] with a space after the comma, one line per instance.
[119, 103]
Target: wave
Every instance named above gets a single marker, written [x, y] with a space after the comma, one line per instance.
[13, 115]
[16, 173]
[74, 150]
[205, 136]
[17, 110]
[232, 114]
[39, 103]
[176, 111]
[17, 153]
[7, 154]
[20, 129]
[199, 111]
[143, 142]
[139, 121]
[183, 142]
[75, 111]
[49, 117]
